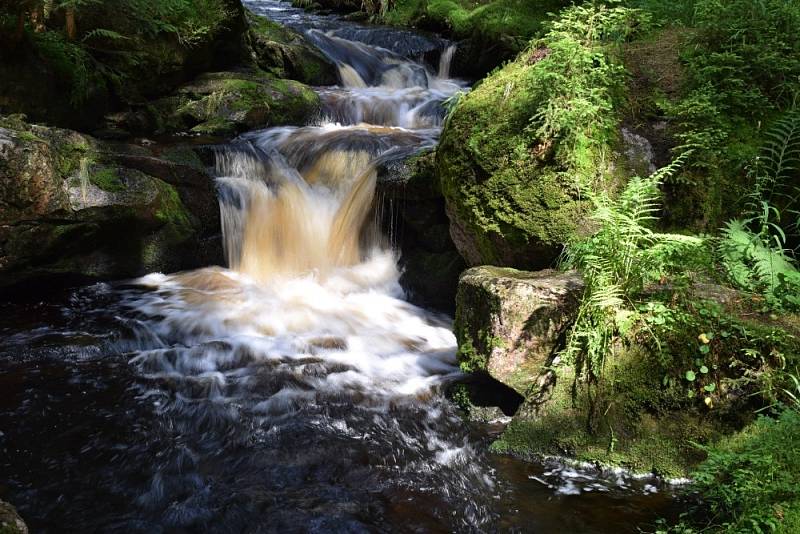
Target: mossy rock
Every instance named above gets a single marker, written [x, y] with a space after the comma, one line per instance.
[225, 103]
[509, 200]
[414, 215]
[73, 208]
[122, 56]
[489, 32]
[510, 323]
[631, 421]
[285, 53]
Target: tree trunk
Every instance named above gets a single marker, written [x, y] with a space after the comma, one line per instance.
[71, 26]
[20, 31]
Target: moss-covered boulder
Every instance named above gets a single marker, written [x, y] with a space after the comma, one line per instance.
[10, 521]
[509, 323]
[509, 201]
[74, 208]
[225, 103]
[285, 53]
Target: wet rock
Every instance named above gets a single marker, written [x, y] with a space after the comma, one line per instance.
[285, 53]
[510, 323]
[639, 153]
[414, 217]
[72, 207]
[10, 521]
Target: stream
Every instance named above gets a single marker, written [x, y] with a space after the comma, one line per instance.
[296, 390]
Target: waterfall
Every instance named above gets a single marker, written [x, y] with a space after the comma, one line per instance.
[445, 60]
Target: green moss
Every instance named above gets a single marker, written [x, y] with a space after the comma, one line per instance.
[183, 155]
[106, 178]
[471, 360]
[71, 153]
[171, 210]
[30, 137]
[286, 54]
[517, 150]
[515, 20]
[215, 127]
[628, 422]
[225, 103]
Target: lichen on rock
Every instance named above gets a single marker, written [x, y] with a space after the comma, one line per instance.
[10, 521]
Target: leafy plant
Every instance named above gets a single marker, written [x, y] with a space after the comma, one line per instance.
[752, 249]
[749, 482]
[583, 79]
[618, 261]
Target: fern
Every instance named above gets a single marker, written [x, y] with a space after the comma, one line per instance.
[104, 34]
[618, 261]
[752, 249]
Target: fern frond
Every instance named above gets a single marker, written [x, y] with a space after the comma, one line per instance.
[105, 34]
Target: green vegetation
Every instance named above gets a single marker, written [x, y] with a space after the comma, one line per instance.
[687, 328]
[511, 20]
[753, 248]
[99, 52]
[741, 70]
[513, 146]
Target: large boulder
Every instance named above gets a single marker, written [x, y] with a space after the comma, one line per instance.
[510, 324]
[510, 197]
[74, 208]
[285, 53]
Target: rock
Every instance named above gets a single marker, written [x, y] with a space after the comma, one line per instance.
[226, 103]
[509, 323]
[10, 521]
[410, 178]
[510, 197]
[75, 83]
[72, 207]
[285, 53]
[414, 217]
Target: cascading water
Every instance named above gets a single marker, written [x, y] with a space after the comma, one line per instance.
[293, 391]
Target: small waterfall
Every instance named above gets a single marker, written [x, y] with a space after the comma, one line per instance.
[277, 222]
[445, 60]
[83, 176]
[350, 77]
[294, 390]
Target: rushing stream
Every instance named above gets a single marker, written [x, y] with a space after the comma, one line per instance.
[296, 390]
